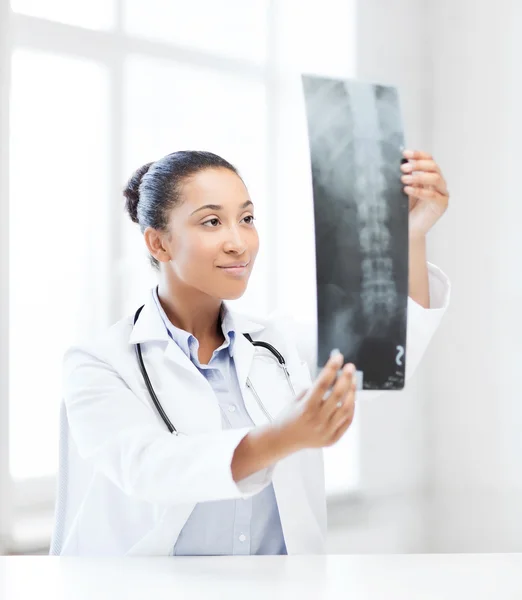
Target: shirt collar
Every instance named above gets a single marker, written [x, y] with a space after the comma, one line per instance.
[185, 340]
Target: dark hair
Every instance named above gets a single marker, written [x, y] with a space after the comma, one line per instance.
[155, 188]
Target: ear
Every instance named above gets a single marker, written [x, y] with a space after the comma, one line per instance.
[156, 244]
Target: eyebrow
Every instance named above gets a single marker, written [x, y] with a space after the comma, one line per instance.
[219, 207]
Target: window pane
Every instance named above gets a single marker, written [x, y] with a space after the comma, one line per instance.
[59, 181]
[317, 37]
[91, 14]
[173, 107]
[232, 28]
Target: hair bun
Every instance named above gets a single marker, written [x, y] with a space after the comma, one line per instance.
[132, 192]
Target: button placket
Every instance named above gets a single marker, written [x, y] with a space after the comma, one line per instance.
[242, 523]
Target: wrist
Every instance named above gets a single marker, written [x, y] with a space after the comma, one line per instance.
[284, 440]
[259, 449]
[418, 278]
[416, 238]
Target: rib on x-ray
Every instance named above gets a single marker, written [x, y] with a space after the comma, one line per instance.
[361, 227]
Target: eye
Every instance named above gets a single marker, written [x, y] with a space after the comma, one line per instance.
[249, 220]
[211, 222]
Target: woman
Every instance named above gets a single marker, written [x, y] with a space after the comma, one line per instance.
[244, 475]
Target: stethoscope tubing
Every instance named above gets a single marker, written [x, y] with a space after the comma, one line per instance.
[152, 393]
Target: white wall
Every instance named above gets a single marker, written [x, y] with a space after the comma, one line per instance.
[475, 407]
[443, 462]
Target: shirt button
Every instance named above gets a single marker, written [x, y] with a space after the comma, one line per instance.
[231, 408]
[242, 537]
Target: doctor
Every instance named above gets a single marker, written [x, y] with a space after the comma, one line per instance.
[243, 471]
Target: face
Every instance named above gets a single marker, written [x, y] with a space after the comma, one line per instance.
[212, 242]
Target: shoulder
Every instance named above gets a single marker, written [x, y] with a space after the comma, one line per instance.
[103, 347]
[276, 324]
[290, 336]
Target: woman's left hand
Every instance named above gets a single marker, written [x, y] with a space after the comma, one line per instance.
[427, 191]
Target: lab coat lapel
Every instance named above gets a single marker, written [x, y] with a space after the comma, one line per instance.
[150, 328]
[188, 396]
[243, 354]
[243, 350]
[184, 393]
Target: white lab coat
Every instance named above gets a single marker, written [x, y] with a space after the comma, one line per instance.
[127, 486]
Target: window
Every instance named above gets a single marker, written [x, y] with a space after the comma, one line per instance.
[100, 87]
[59, 164]
[91, 14]
[230, 28]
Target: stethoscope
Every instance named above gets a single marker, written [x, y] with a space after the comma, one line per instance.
[157, 403]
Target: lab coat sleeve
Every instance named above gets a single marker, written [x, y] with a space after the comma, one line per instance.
[422, 325]
[424, 322]
[121, 437]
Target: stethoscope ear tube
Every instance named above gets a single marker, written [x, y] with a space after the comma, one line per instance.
[146, 379]
[269, 347]
[152, 393]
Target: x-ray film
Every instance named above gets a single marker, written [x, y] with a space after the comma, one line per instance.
[361, 227]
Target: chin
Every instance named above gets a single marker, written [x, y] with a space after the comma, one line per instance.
[232, 294]
[232, 291]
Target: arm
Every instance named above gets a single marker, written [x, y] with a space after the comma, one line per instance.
[429, 288]
[121, 437]
[428, 201]
[259, 449]
[424, 322]
[419, 286]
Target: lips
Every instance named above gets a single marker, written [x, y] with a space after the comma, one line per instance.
[235, 266]
[236, 270]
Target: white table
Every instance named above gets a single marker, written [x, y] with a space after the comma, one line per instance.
[404, 577]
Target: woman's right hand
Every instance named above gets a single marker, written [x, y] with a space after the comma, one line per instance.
[323, 413]
[318, 418]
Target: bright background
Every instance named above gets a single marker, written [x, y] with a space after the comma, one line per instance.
[92, 89]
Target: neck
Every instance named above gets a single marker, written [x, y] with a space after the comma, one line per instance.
[189, 309]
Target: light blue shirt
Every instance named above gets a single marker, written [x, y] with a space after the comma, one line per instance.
[226, 527]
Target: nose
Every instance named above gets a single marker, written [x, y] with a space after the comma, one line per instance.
[234, 243]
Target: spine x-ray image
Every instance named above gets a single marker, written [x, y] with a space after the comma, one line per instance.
[361, 227]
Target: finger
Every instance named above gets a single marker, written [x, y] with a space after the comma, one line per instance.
[341, 430]
[427, 194]
[430, 166]
[340, 389]
[325, 380]
[432, 180]
[342, 426]
[344, 407]
[417, 155]
[428, 179]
